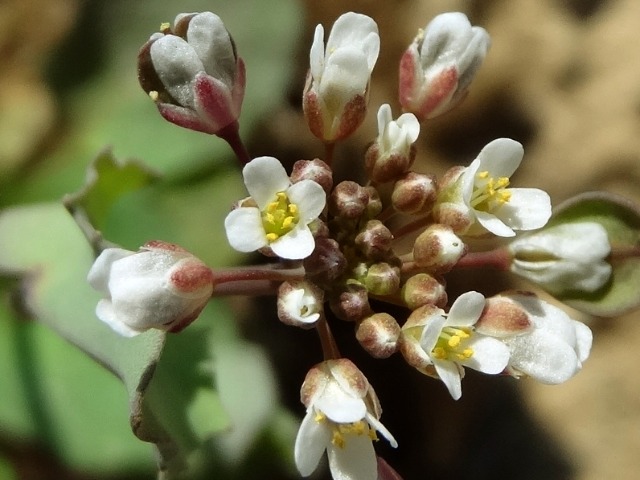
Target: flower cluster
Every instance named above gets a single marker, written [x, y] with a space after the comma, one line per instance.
[343, 251]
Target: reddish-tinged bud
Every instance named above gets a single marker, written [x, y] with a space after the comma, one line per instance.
[502, 317]
[414, 193]
[374, 241]
[423, 289]
[378, 334]
[438, 249]
[315, 170]
[348, 200]
[326, 263]
[382, 279]
[351, 304]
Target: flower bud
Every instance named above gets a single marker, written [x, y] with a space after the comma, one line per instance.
[438, 67]
[392, 153]
[315, 170]
[300, 303]
[351, 304]
[410, 336]
[194, 74]
[348, 200]
[566, 257]
[382, 279]
[374, 203]
[374, 240]
[161, 286]
[326, 263]
[337, 88]
[378, 335]
[423, 289]
[414, 193]
[502, 318]
[438, 249]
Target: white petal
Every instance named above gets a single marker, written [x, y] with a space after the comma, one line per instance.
[379, 427]
[410, 126]
[584, 339]
[210, 40]
[449, 373]
[295, 245]
[358, 31]
[501, 157]
[345, 76]
[527, 209]
[264, 177]
[316, 54]
[493, 224]
[311, 442]
[310, 198]
[356, 461]
[98, 276]
[543, 356]
[244, 229]
[489, 355]
[105, 312]
[466, 310]
[431, 333]
[446, 36]
[176, 63]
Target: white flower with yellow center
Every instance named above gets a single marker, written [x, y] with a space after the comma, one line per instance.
[448, 342]
[280, 213]
[495, 206]
[342, 418]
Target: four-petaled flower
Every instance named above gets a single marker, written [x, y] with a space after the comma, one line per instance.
[162, 286]
[278, 214]
[482, 200]
[440, 344]
[342, 418]
[336, 91]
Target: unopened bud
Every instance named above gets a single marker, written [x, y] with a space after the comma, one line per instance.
[351, 304]
[414, 193]
[424, 289]
[374, 240]
[348, 200]
[438, 249]
[326, 263]
[410, 336]
[393, 152]
[378, 335]
[315, 170]
[374, 203]
[382, 279]
[300, 303]
[437, 68]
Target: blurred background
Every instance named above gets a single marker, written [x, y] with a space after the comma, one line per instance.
[562, 77]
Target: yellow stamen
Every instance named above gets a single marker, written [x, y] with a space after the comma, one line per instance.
[279, 217]
[272, 237]
[489, 193]
[451, 344]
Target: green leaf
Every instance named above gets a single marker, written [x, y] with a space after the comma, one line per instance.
[106, 181]
[621, 219]
[42, 244]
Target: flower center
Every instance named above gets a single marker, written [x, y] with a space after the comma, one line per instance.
[451, 344]
[489, 193]
[341, 430]
[279, 217]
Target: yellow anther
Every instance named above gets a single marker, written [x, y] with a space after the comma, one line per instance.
[272, 237]
[467, 352]
[272, 207]
[165, 26]
[440, 353]
[454, 341]
[337, 439]
[320, 417]
[287, 222]
[269, 218]
[281, 196]
[154, 95]
[293, 208]
[484, 174]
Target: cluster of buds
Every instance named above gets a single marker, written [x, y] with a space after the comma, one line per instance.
[341, 252]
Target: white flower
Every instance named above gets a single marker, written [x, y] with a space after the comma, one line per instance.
[162, 286]
[441, 345]
[342, 418]
[549, 347]
[280, 220]
[300, 303]
[567, 257]
[396, 136]
[488, 200]
[437, 68]
[338, 80]
[194, 74]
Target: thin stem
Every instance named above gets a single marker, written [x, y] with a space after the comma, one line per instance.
[231, 134]
[93, 236]
[500, 258]
[410, 227]
[253, 288]
[328, 342]
[269, 273]
[329, 148]
[621, 253]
